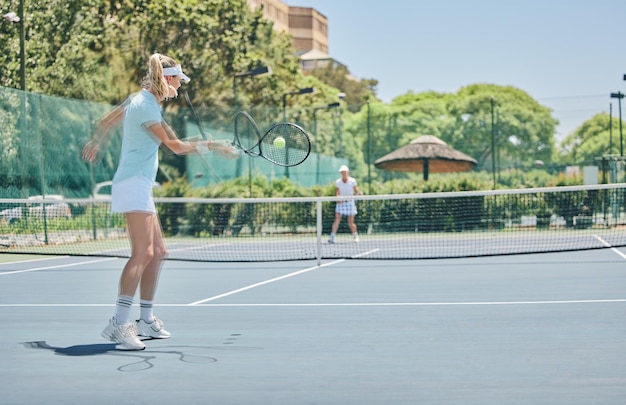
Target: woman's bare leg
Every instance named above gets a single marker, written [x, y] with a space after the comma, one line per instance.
[150, 277]
[336, 223]
[351, 224]
[141, 232]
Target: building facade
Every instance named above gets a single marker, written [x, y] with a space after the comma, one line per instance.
[275, 11]
[309, 29]
[307, 26]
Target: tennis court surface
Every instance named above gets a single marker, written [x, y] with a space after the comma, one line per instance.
[522, 329]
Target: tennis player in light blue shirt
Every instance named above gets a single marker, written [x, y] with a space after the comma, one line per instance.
[139, 156]
[144, 130]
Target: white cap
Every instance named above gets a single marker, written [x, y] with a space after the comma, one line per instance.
[343, 168]
[176, 71]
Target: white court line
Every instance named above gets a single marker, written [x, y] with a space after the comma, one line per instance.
[59, 305]
[198, 247]
[420, 304]
[34, 260]
[607, 244]
[58, 266]
[369, 252]
[265, 282]
[346, 304]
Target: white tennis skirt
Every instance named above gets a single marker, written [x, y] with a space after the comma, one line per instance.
[346, 208]
[132, 195]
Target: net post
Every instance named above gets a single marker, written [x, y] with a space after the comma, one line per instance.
[319, 232]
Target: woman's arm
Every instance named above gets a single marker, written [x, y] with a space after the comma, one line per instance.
[104, 130]
[166, 135]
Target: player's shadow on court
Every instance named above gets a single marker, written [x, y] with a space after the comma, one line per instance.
[141, 360]
[78, 350]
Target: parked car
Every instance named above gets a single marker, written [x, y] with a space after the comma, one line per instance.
[11, 215]
[53, 209]
[102, 191]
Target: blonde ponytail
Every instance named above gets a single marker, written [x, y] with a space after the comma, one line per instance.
[155, 80]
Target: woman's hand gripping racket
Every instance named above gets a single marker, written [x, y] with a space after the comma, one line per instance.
[284, 144]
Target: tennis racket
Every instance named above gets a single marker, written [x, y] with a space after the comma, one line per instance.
[285, 144]
[204, 134]
[291, 150]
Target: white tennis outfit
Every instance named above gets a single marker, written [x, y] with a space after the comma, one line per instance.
[139, 162]
[133, 194]
[346, 188]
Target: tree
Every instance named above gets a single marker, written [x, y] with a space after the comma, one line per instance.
[63, 47]
[213, 39]
[421, 114]
[371, 131]
[523, 129]
[338, 76]
[98, 50]
[592, 139]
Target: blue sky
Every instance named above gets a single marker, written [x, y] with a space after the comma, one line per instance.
[567, 54]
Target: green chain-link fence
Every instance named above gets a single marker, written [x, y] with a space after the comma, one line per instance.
[42, 138]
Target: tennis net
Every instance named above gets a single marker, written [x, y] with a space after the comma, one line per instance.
[407, 226]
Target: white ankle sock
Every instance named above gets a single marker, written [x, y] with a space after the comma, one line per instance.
[122, 309]
[146, 310]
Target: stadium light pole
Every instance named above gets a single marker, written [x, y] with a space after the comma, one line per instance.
[306, 90]
[18, 18]
[619, 96]
[493, 144]
[317, 140]
[369, 162]
[260, 71]
[369, 150]
[338, 115]
[610, 128]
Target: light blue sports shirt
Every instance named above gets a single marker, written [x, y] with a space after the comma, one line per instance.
[140, 147]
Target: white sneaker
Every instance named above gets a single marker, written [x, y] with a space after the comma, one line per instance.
[124, 335]
[356, 239]
[152, 330]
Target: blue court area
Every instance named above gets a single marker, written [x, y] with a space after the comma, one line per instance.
[520, 329]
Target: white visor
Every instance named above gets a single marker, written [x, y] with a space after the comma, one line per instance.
[176, 71]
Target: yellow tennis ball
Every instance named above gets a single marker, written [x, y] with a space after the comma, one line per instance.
[279, 142]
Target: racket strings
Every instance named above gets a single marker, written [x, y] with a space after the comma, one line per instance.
[296, 146]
